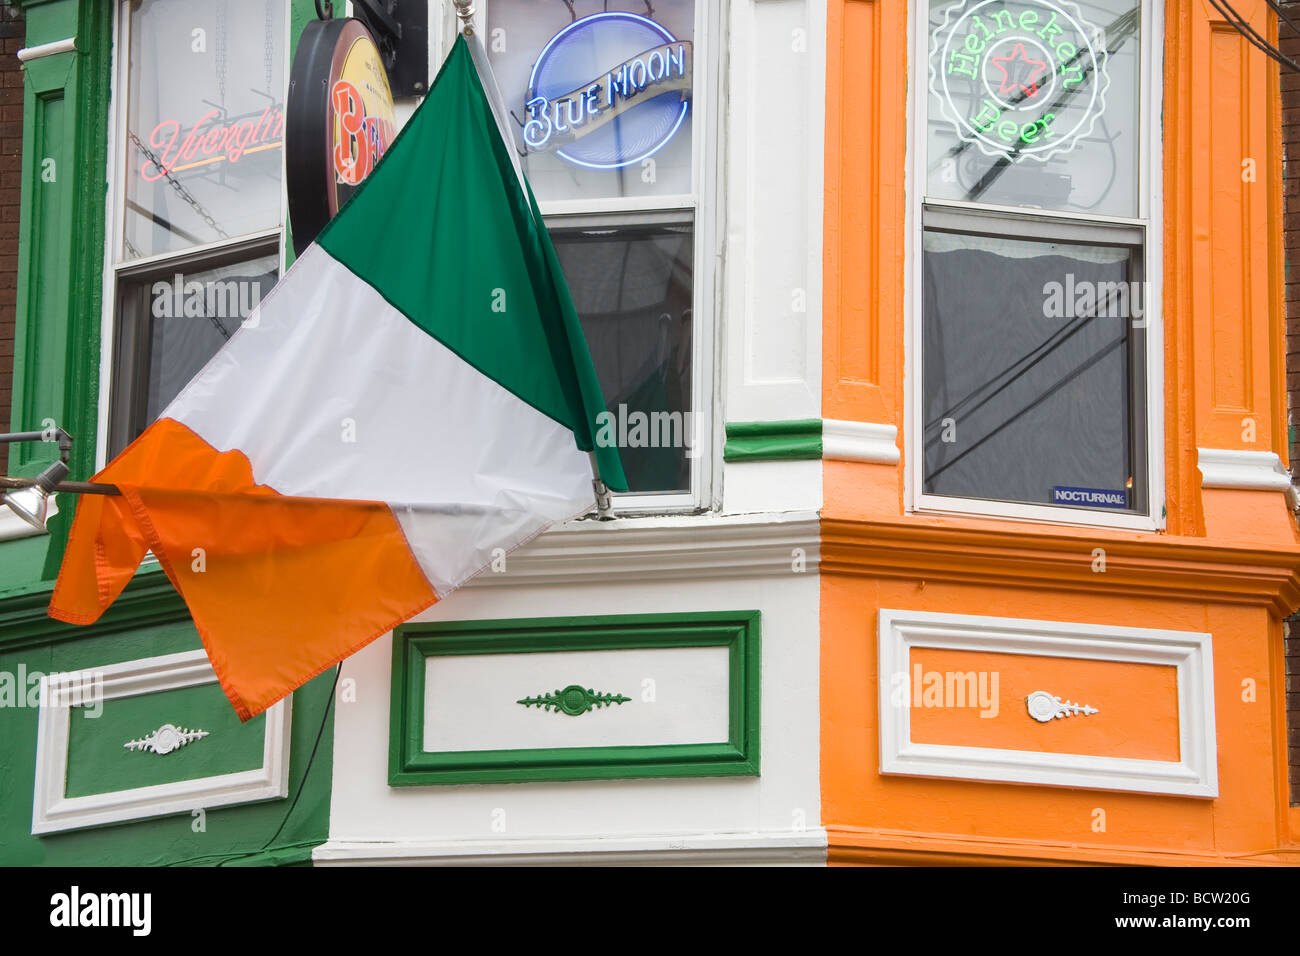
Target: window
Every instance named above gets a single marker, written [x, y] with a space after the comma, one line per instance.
[607, 100]
[1034, 340]
[196, 237]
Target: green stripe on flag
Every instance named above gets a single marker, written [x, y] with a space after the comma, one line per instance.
[444, 232]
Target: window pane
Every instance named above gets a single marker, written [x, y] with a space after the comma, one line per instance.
[1033, 364]
[632, 288]
[600, 92]
[171, 325]
[205, 122]
[1035, 103]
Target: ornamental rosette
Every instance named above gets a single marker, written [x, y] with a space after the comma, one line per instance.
[573, 700]
[166, 739]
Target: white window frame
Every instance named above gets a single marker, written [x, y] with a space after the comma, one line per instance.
[115, 267]
[705, 206]
[1150, 221]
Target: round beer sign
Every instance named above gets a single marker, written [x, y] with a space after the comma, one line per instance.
[1020, 79]
[340, 121]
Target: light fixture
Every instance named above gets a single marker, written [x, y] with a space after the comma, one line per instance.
[29, 498]
[32, 504]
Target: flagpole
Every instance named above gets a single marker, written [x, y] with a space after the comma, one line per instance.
[465, 13]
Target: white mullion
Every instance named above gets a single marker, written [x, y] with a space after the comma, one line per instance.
[614, 205]
[706, 403]
[1151, 205]
[184, 256]
[1034, 212]
[115, 227]
[286, 68]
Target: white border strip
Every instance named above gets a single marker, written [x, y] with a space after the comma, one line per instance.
[52, 811]
[28, 53]
[1229, 468]
[1194, 775]
[860, 441]
[792, 848]
[1250, 470]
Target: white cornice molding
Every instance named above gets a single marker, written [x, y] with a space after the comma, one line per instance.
[28, 53]
[665, 548]
[1247, 470]
[793, 848]
[860, 441]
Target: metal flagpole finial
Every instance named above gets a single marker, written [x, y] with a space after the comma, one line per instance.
[465, 11]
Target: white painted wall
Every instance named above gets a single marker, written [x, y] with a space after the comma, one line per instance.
[768, 357]
[785, 796]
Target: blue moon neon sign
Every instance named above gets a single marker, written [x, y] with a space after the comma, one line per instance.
[604, 116]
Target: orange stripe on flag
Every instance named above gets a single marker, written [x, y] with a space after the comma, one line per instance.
[280, 588]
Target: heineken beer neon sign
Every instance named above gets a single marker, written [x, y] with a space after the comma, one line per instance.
[608, 90]
[1019, 79]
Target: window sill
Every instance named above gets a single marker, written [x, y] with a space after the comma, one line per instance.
[941, 507]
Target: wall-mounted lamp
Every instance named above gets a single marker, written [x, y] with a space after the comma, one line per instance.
[29, 498]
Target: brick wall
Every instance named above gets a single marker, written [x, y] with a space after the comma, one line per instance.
[12, 31]
[1290, 43]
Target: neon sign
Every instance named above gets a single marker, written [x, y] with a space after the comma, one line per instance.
[1019, 79]
[220, 141]
[629, 111]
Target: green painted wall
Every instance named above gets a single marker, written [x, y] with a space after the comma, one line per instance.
[97, 737]
[57, 352]
[233, 834]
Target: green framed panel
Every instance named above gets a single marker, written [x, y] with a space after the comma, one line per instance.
[799, 440]
[96, 744]
[413, 644]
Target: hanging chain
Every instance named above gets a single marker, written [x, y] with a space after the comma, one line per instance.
[220, 58]
[268, 49]
[176, 185]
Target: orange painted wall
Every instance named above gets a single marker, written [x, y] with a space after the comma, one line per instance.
[1140, 703]
[1228, 562]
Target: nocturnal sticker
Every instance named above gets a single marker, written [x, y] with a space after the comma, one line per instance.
[1090, 497]
[1020, 80]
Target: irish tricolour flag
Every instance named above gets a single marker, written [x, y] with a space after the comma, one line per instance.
[412, 400]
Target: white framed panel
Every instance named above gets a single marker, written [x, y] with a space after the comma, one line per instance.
[1195, 774]
[52, 811]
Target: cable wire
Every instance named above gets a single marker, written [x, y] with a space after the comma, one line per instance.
[329, 703]
[1238, 23]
